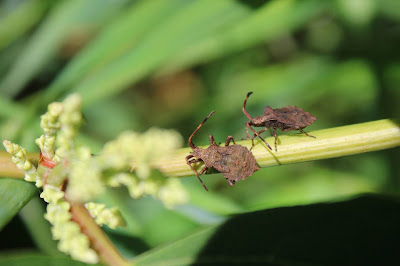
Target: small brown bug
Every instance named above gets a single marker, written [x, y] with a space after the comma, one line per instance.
[235, 162]
[286, 119]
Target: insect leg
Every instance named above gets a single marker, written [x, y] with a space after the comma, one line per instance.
[228, 140]
[201, 181]
[212, 140]
[307, 133]
[259, 132]
[202, 171]
[274, 134]
[231, 182]
[258, 135]
[252, 138]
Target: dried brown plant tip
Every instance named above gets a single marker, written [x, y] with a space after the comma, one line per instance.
[286, 119]
[235, 162]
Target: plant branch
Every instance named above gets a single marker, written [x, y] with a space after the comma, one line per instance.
[329, 143]
[96, 235]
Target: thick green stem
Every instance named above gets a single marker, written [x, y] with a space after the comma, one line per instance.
[329, 143]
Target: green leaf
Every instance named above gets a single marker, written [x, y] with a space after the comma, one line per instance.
[181, 252]
[360, 231]
[271, 21]
[211, 201]
[186, 26]
[116, 39]
[21, 20]
[46, 42]
[39, 228]
[14, 194]
[9, 108]
[28, 259]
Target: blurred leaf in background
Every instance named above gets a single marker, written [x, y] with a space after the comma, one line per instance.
[169, 63]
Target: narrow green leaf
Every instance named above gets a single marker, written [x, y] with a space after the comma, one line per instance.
[211, 201]
[14, 194]
[115, 40]
[20, 20]
[9, 108]
[181, 252]
[188, 25]
[319, 234]
[39, 228]
[272, 20]
[47, 40]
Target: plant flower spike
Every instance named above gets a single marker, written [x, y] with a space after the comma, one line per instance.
[71, 177]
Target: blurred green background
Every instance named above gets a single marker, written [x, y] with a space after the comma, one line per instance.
[160, 63]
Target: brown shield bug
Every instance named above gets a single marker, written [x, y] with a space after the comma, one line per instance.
[286, 119]
[235, 162]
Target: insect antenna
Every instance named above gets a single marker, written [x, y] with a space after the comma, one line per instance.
[190, 143]
[244, 106]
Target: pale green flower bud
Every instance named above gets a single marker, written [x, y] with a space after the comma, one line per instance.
[34, 177]
[142, 170]
[102, 215]
[50, 124]
[139, 190]
[82, 252]
[173, 193]
[131, 181]
[40, 142]
[52, 194]
[19, 158]
[58, 213]
[70, 120]
[84, 177]
[49, 121]
[65, 230]
[78, 247]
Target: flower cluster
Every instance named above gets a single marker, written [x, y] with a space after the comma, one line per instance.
[19, 158]
[102, 215]
[70, 173]
[71, 240]
[150, 146]
[50, 124]
[85, 176]
[70, 119]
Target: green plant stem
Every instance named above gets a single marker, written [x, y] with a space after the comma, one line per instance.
[98, 238]
[329, 143]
